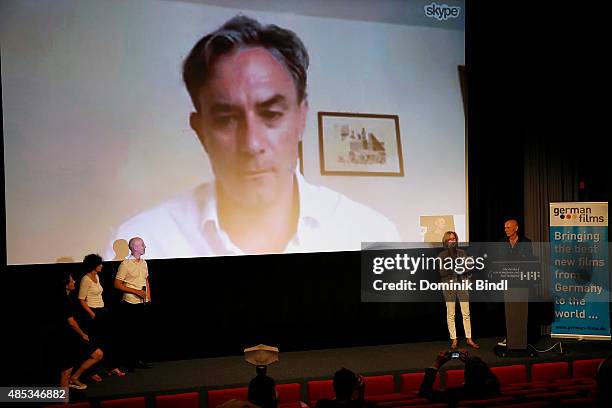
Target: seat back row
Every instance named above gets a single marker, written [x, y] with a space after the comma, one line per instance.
[379, 388]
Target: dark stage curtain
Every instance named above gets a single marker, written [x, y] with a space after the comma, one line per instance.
[550, 175]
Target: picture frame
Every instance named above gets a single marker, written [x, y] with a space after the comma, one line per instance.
[433, 227]
[360, 144]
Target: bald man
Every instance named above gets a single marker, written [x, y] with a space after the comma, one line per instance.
[518, 246]
[133, 280]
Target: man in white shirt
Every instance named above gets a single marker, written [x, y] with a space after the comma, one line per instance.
[247, 83]
[133, 280]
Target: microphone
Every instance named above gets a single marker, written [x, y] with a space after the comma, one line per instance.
[144, 299]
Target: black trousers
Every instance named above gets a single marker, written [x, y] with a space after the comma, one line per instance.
[135, 340]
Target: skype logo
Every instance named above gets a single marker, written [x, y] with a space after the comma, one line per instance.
[442, 11]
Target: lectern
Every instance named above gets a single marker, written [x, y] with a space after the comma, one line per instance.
[522, 277]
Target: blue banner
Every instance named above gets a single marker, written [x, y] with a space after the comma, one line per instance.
[580, 278]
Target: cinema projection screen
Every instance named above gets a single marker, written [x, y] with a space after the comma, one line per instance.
[98, 144]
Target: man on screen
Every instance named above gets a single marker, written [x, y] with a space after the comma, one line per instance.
[247, 83]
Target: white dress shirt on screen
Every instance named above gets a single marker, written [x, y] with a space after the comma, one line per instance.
[188, 226]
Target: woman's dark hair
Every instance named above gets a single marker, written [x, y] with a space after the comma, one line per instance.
[91, 262]
[243, 31]
[66, 278]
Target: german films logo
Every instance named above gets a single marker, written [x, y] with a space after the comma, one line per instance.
[581, 214]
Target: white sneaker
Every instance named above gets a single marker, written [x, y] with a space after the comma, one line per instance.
[502, 343]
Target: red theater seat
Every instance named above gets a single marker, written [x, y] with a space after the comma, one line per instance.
[486, 402]
[379, 385]
[381, 388]
[288, 393]
[511, 388]
[534, 384]
[523, 392]
[186, 400]
[403, 403]
[578, 387]
[390, 398]
[552, 396]
[578, 402]
[549, 371]
[454, 378]
[585, 368]
[218, 397]
[508, 375]
[532, 404]
[136, 402]
[574, 381]
[426, 406]
[317, 390]
[290, 405]
[411, 382]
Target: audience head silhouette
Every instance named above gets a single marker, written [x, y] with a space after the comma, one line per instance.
[604, 379]
[262, 390]
[345, 383]
[478, 375]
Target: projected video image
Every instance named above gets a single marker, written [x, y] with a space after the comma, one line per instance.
[187, 124]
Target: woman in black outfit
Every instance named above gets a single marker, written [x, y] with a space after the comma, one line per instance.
[95, 314]
[76, 348]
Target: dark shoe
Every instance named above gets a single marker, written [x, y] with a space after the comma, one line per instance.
[454, 344]
[143, 364]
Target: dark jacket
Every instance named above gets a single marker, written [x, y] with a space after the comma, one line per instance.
[522, 250]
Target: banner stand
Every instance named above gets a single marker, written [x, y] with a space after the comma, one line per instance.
[579, 270]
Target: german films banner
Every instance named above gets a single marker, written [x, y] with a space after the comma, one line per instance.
[580, 270]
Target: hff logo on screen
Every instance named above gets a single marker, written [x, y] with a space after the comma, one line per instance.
[442, 11]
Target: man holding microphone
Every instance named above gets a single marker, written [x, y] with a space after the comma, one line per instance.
[133, 280]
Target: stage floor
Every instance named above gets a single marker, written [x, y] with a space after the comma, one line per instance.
[224, 372]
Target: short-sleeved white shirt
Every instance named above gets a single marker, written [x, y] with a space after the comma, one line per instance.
[134, 275]
[91, 292]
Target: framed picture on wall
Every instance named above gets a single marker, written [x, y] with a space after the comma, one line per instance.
[360, 144]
